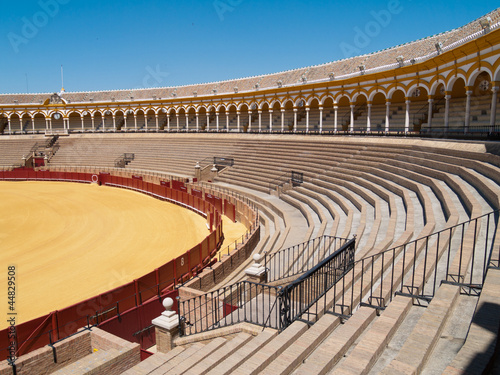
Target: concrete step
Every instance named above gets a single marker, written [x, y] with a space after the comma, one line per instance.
[220, 354]
[243, 353]
[419, 345]
[155, 361]
[182, 366]
[333, 348]
[257, 362]
[185, 355]
[293, 356]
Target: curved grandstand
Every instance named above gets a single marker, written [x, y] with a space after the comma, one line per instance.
[416, 291]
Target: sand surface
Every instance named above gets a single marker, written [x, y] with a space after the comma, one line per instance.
[71, 241]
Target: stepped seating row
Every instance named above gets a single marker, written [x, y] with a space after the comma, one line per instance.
[457, 179]
[12, 150]
[386, 194]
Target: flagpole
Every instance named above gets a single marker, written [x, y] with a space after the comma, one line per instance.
[62, 79]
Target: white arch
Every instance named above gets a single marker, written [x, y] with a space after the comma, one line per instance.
[476, 73]
[453, 79]
[435, 85]
[391, 92]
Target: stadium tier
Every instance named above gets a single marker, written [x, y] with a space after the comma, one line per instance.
[374, 230]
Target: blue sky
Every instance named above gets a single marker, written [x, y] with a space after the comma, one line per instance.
[105, 45]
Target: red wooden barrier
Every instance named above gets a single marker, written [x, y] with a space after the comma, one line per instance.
[147, 286]
[124, 300]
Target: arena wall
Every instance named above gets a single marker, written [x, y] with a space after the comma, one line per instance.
[130, 299]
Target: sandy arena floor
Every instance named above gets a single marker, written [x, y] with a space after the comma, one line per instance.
[71, 241]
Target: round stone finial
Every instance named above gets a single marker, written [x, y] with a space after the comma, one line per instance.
[168, 303]
[256, 258]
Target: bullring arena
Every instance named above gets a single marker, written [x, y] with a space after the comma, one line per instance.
[367, 189]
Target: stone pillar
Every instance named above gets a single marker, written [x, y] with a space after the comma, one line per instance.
[429, 115]
[468, 92]
[270, 121]
[135, 122]
[217, 121]
[335, 122]
[83, 124]
[114, 123]
[125, 121]
[282, 120]
[295, 110]
[260, 120]
[257, 273]
[387, 114]
[227, 122]
[493, 115]
[33, 124]
[166, 327]
[168, 122]
[187, 122]
[307, 119]
[157, 124]
[238, 122]
[249, 121]
[213, 172]
[177, 122]
[197, 122]
[208, 122]
[447, 111]
[407, 115]
[93, 123]
[10, 129]
[368, 117]
[320, 120]
[351, 125]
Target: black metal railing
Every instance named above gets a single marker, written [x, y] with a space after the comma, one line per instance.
[226, 162]
[297, 298]
[300, 258]
[124, 159]
[462, 132]
[459, 255]
[218, 161]
[261, 304]
[293, 177]
[244, 301]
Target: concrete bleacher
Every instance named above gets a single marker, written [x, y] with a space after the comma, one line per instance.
[14, 148]
[429, 197]
[387, 192]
